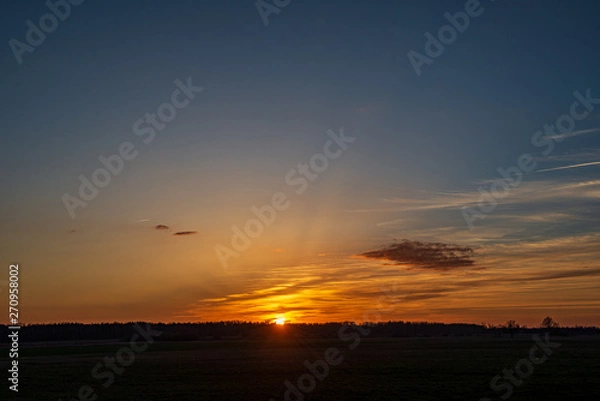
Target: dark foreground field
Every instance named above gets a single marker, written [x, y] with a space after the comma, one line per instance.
[377, 369]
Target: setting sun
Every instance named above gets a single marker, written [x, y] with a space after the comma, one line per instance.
[280, 321]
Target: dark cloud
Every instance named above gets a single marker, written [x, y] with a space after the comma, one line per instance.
[185, 232]
[161, 227]
[586, 271]
[436, 255]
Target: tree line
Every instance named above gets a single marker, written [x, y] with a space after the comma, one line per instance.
[252, 330]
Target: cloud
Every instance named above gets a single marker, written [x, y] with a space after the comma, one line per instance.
[574, 133]
[428, 255]
[185, 232]
[568, 167]
[178, 233]
[528, 192]
[572, 273]
[579, 156]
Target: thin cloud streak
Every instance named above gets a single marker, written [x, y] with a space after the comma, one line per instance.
[569, 167]
[575, 133]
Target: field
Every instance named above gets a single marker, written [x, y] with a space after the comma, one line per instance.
[449, 368]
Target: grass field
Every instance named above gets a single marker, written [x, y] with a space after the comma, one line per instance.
[377, 369]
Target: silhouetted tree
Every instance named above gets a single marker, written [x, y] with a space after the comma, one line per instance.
[549, 323]
[511, 327]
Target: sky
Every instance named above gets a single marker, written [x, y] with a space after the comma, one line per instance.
[455, 185]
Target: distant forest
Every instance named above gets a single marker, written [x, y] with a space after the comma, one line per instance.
[247, 330]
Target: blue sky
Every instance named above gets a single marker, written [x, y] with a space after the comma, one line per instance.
[425, 144]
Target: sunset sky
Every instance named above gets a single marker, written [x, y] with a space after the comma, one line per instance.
[420, 149]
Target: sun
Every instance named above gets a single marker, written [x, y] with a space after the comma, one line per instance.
[280, 321]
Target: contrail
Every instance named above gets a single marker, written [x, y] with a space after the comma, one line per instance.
[567, 167]
[576, 133]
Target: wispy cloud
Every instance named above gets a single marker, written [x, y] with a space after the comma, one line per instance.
[570, 166]
[574, 133]
[526, 193]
